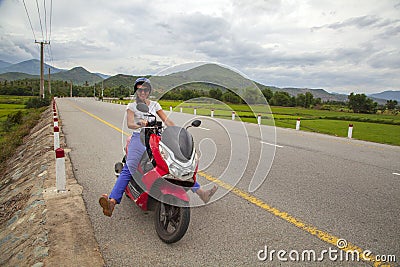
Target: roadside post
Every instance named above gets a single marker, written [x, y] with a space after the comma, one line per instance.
[350, 131]
[195, 111]
[233, 115]
[212, 113]
[259, 119]
[298, 124]
[60, 170]
[56, 137]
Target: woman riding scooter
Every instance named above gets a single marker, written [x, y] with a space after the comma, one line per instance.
[135, 121]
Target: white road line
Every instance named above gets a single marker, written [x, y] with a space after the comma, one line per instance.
[270, 144]
[395, 173]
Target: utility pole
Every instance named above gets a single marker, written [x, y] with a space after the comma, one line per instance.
[71, 89]
[94, 90]
[49, 83]
[42, 67]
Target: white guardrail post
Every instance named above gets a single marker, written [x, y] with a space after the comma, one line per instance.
[350, 131]
[60, 170]
[298, 124]
[56, 137]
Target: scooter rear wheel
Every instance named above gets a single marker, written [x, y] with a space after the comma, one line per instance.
[171, 221]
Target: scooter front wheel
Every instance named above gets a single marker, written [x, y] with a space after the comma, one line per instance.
[171, 221]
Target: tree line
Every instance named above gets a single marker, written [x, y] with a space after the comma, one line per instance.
[358, 103]
[30, 87]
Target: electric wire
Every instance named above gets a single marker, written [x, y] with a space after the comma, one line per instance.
[48, 49]
[45, 17]
[49, 46]
[34, 36]
[40, 19]
[51, 12]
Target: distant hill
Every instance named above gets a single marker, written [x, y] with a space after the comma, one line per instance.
[104, 76]
[29, 67]
[77, 75]
[12, 76]
[208, 73]
[213, 74]
[388, 95]
[120, 79]
[4, 64]
[230, 79]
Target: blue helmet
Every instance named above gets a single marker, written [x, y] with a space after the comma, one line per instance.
[140, 81]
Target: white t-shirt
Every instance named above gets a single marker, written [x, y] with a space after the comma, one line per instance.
[154, 106]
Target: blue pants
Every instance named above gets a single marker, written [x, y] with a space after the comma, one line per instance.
[135, 153]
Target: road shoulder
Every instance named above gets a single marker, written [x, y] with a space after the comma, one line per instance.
[40, 227]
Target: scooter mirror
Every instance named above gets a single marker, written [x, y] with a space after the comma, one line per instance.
[142, 107]
[196, 123]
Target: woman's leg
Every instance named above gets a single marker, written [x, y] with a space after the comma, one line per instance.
[204, 195]
[135, 153]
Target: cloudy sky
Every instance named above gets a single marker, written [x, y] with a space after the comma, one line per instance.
[342, 46]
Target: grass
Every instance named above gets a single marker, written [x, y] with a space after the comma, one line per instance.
[12, 133]
[9, 105]
[380, 128]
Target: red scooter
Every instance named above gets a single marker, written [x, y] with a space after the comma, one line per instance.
[164, 175]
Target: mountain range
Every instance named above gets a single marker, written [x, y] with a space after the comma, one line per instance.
[211, 73]
[30, 69]
[388, 95]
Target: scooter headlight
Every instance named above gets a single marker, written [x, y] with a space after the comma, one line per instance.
[180, 170]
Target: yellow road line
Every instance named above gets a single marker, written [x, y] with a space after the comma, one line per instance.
[101, 120]
[322, 235]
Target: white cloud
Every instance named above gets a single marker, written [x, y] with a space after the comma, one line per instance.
[337, 45]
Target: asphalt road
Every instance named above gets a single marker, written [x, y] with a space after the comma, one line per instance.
[317, 189]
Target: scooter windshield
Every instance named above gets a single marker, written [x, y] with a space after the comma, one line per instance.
[179, 141]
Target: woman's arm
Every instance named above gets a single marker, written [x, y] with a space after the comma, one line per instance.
[130, 121]
[164, 118]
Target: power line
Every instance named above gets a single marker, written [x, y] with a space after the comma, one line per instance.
[34, 36]
[50, 54]
[40, 19]
[49, 50]
[45, 17]
[51, 12]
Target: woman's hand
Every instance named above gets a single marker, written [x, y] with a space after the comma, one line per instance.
[143, 123]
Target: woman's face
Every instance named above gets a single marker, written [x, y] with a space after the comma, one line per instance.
[142, 92]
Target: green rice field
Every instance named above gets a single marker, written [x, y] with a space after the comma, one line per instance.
[380, 128]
